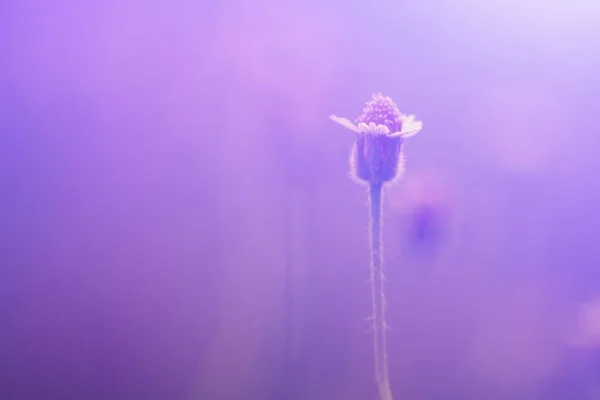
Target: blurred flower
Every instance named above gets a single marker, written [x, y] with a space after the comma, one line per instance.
[377, 154]
[587, 332]
[425, 203]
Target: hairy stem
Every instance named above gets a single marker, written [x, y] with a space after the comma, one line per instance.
[377, 280]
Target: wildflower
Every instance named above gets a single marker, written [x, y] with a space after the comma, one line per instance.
[377, 153]
[376, 159]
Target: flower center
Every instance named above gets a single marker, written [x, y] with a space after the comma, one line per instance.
[382, 110]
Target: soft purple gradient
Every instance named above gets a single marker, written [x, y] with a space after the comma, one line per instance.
[178, 222]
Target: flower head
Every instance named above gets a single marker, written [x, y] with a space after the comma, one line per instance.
[377, 154]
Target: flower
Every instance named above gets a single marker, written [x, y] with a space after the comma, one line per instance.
[377, 154]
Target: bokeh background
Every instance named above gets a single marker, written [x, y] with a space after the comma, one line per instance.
[177, 220]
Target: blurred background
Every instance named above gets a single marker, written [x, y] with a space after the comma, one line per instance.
[177, 220]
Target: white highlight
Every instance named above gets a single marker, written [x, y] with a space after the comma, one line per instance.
[345, 122]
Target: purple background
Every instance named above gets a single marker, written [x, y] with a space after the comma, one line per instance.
[177, 221]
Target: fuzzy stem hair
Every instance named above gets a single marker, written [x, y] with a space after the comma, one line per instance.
[377, 280]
